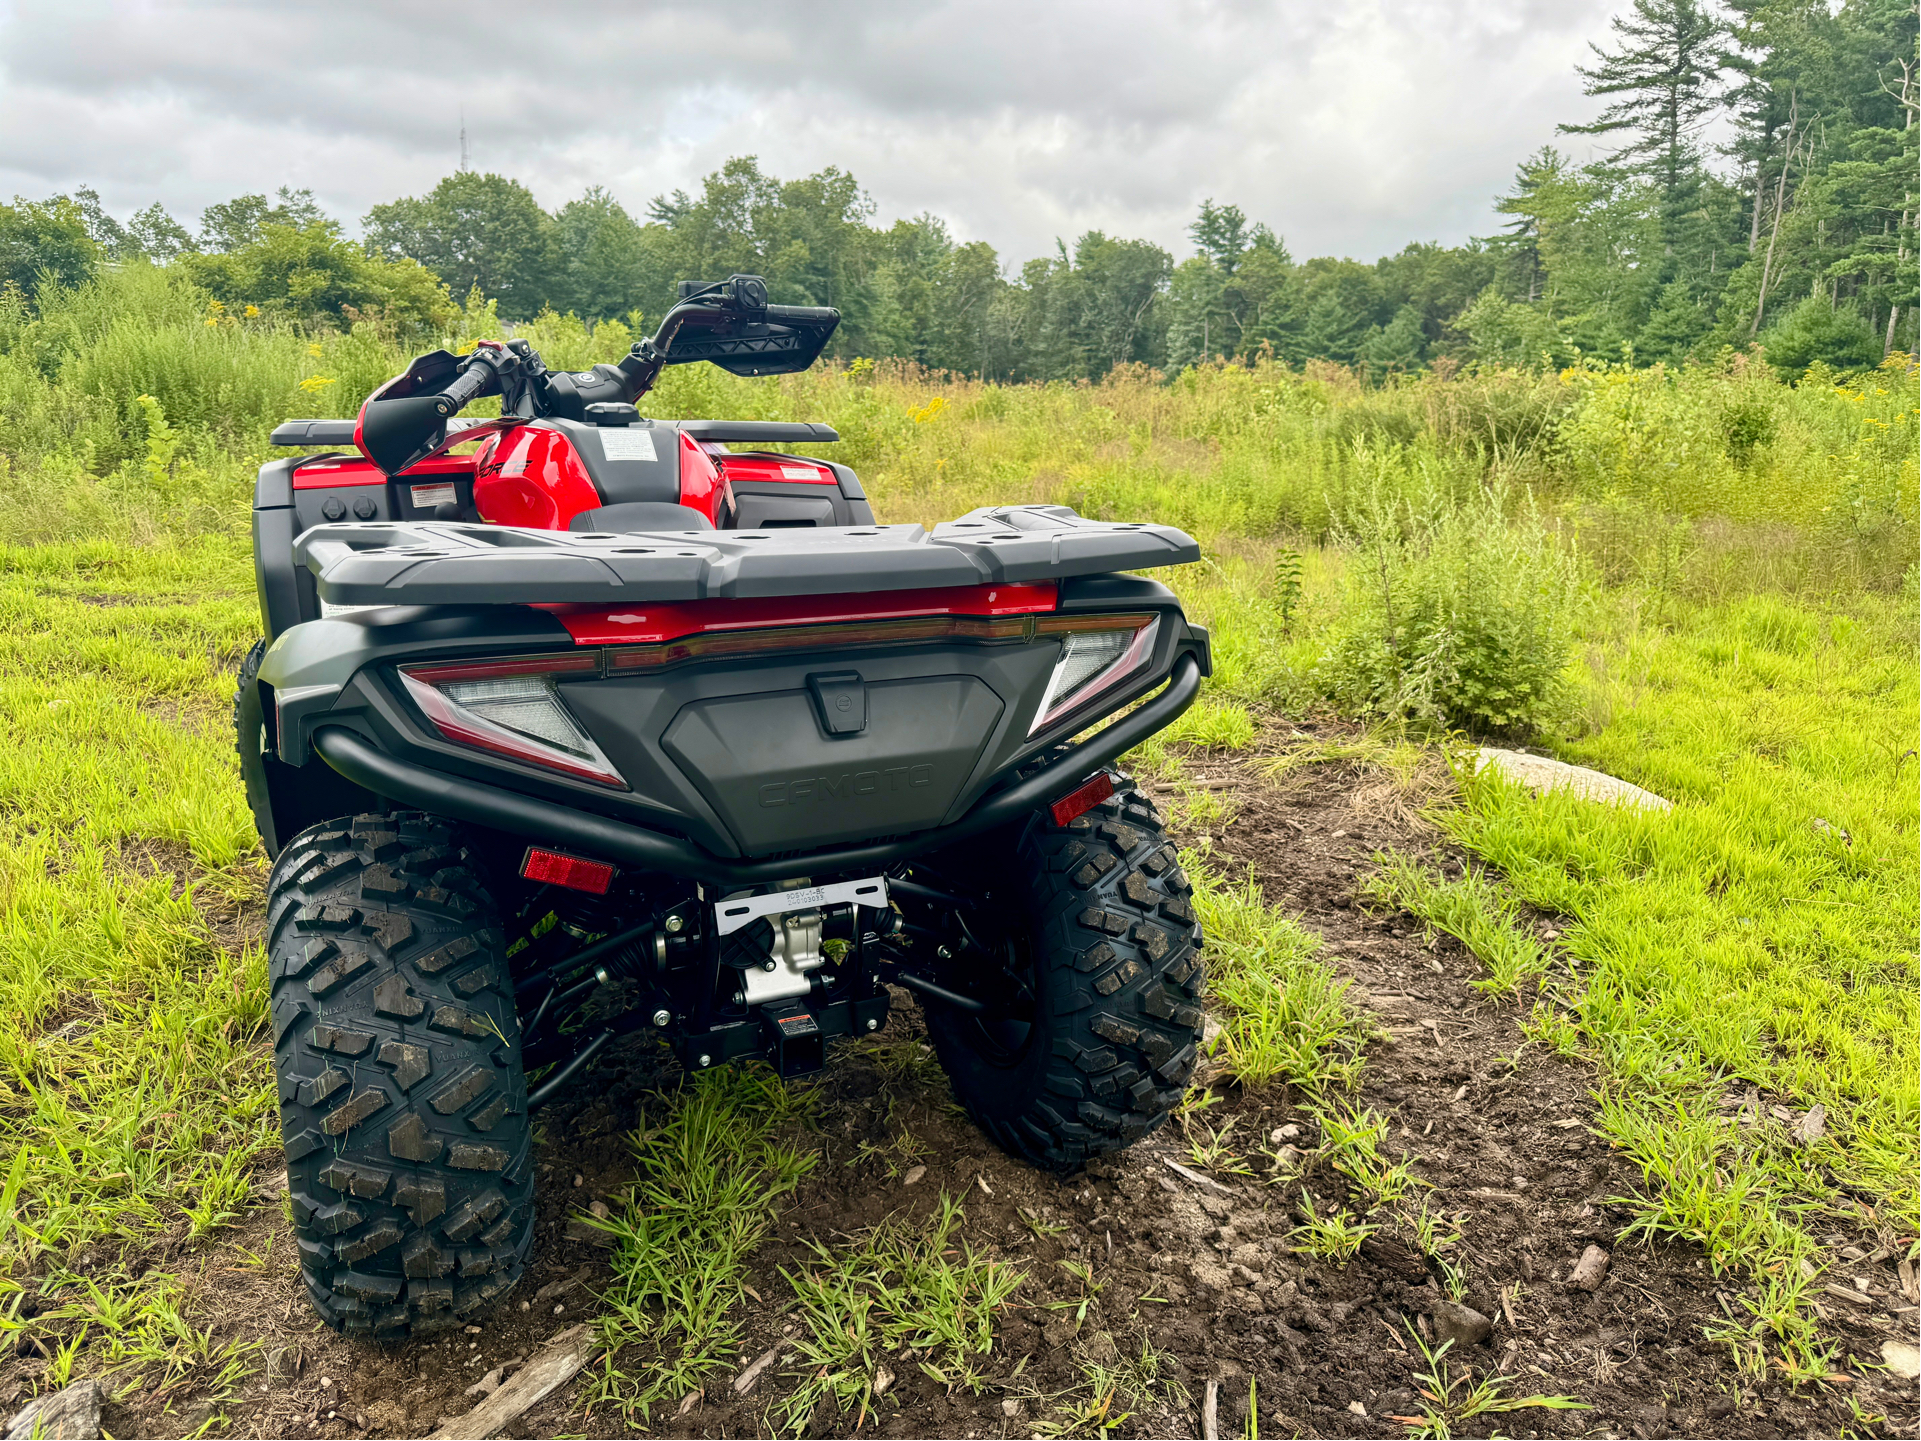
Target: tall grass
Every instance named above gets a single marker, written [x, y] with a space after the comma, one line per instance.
[1704, 479]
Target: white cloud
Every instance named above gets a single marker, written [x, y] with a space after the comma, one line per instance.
[1350, 129]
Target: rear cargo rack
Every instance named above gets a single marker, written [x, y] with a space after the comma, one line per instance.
[431, 563]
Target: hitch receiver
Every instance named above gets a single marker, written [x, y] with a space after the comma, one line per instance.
[795, 1042]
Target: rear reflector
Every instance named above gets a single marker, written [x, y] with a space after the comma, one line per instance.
[556, 869]
[1083, 798]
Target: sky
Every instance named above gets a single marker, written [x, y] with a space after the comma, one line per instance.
[1351, 128]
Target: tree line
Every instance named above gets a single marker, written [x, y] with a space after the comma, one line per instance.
[1798, 232]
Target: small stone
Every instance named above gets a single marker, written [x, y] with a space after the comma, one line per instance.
[579, 1180]
[1591, 1270]
[67, 1415]
[1462, 1325]
[883, 1378]
[913, 1176]
[1357, 1408]
[1011, 1407]
[558, 1308]
[1811, 1126]
[600, 1209]
[473, 1330]
[1901, 1359]
[526, 1306]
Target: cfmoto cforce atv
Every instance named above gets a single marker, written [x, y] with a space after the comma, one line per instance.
[571, 724]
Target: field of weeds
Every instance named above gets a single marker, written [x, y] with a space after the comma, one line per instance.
[1462, 1032]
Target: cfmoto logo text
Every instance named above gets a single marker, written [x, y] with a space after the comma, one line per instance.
[845, 786]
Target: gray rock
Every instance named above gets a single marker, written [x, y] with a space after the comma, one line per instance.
[1540, 773]
[69, 1415]
[1462, 1325]
[283, 1364]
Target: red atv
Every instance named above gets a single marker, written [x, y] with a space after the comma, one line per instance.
[604, 726]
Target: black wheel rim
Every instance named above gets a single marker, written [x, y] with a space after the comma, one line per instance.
[1004, 1034]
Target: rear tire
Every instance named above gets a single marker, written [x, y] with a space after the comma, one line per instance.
[1112, 954]
[403, 1104]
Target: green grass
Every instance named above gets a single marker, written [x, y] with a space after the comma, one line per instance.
[1475, 911]
[1284, 1014]
[1451, 1397]
[898, 1295]
[1748, 651]
[712, 1163]
[1733, 940]
[133, 1090]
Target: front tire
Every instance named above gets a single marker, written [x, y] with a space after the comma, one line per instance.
[403, 1103]
[1110, 951]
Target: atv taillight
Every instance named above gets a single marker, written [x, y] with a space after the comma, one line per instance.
[514, 709]
[1093, 662]
[557, 868]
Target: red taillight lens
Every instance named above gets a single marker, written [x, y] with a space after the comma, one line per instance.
[1082, 798]
[557, 869]
[514, 709]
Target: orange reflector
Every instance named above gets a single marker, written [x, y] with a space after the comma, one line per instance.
[1082, 798]
[572, 872]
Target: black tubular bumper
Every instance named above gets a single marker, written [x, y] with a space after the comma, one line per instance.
[503, 810]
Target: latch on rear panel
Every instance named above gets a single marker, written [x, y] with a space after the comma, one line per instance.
[841, 699]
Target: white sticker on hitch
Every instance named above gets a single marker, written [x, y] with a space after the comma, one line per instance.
[730, 916]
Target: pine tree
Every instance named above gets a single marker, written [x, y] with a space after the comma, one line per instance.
[1667, 72]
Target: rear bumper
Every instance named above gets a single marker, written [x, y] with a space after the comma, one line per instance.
[499, 809]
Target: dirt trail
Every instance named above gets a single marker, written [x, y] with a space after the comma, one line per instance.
[1199, 1272]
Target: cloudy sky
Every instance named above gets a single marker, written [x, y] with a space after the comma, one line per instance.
[1351, 128]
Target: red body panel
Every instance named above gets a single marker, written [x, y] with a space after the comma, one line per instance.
[787, 469]
[643, 624]
[531, 476]
[325, 474]
[701, 486]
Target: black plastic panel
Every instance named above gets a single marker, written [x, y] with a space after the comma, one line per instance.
[453, 564]
[780, 781]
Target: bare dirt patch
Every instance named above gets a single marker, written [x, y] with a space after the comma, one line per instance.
[1195, 1270]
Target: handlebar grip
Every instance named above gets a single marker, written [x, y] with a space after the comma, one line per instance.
[802, 314]
[468, 385]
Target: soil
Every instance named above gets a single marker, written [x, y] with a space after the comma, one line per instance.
[1200, 1271]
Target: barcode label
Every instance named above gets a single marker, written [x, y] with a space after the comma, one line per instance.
[426, 497]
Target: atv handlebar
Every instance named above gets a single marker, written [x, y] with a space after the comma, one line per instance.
[470, 384]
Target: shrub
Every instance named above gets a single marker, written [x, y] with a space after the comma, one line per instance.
[1456, 615]
[1819, 330]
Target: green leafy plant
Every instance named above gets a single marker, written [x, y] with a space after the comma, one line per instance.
[1455, 616]
[1333, 1237]
[1450, 1398]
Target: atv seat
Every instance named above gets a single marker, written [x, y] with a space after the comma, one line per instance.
[639, 515]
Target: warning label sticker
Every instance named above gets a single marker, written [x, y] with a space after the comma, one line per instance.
[627, 443]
